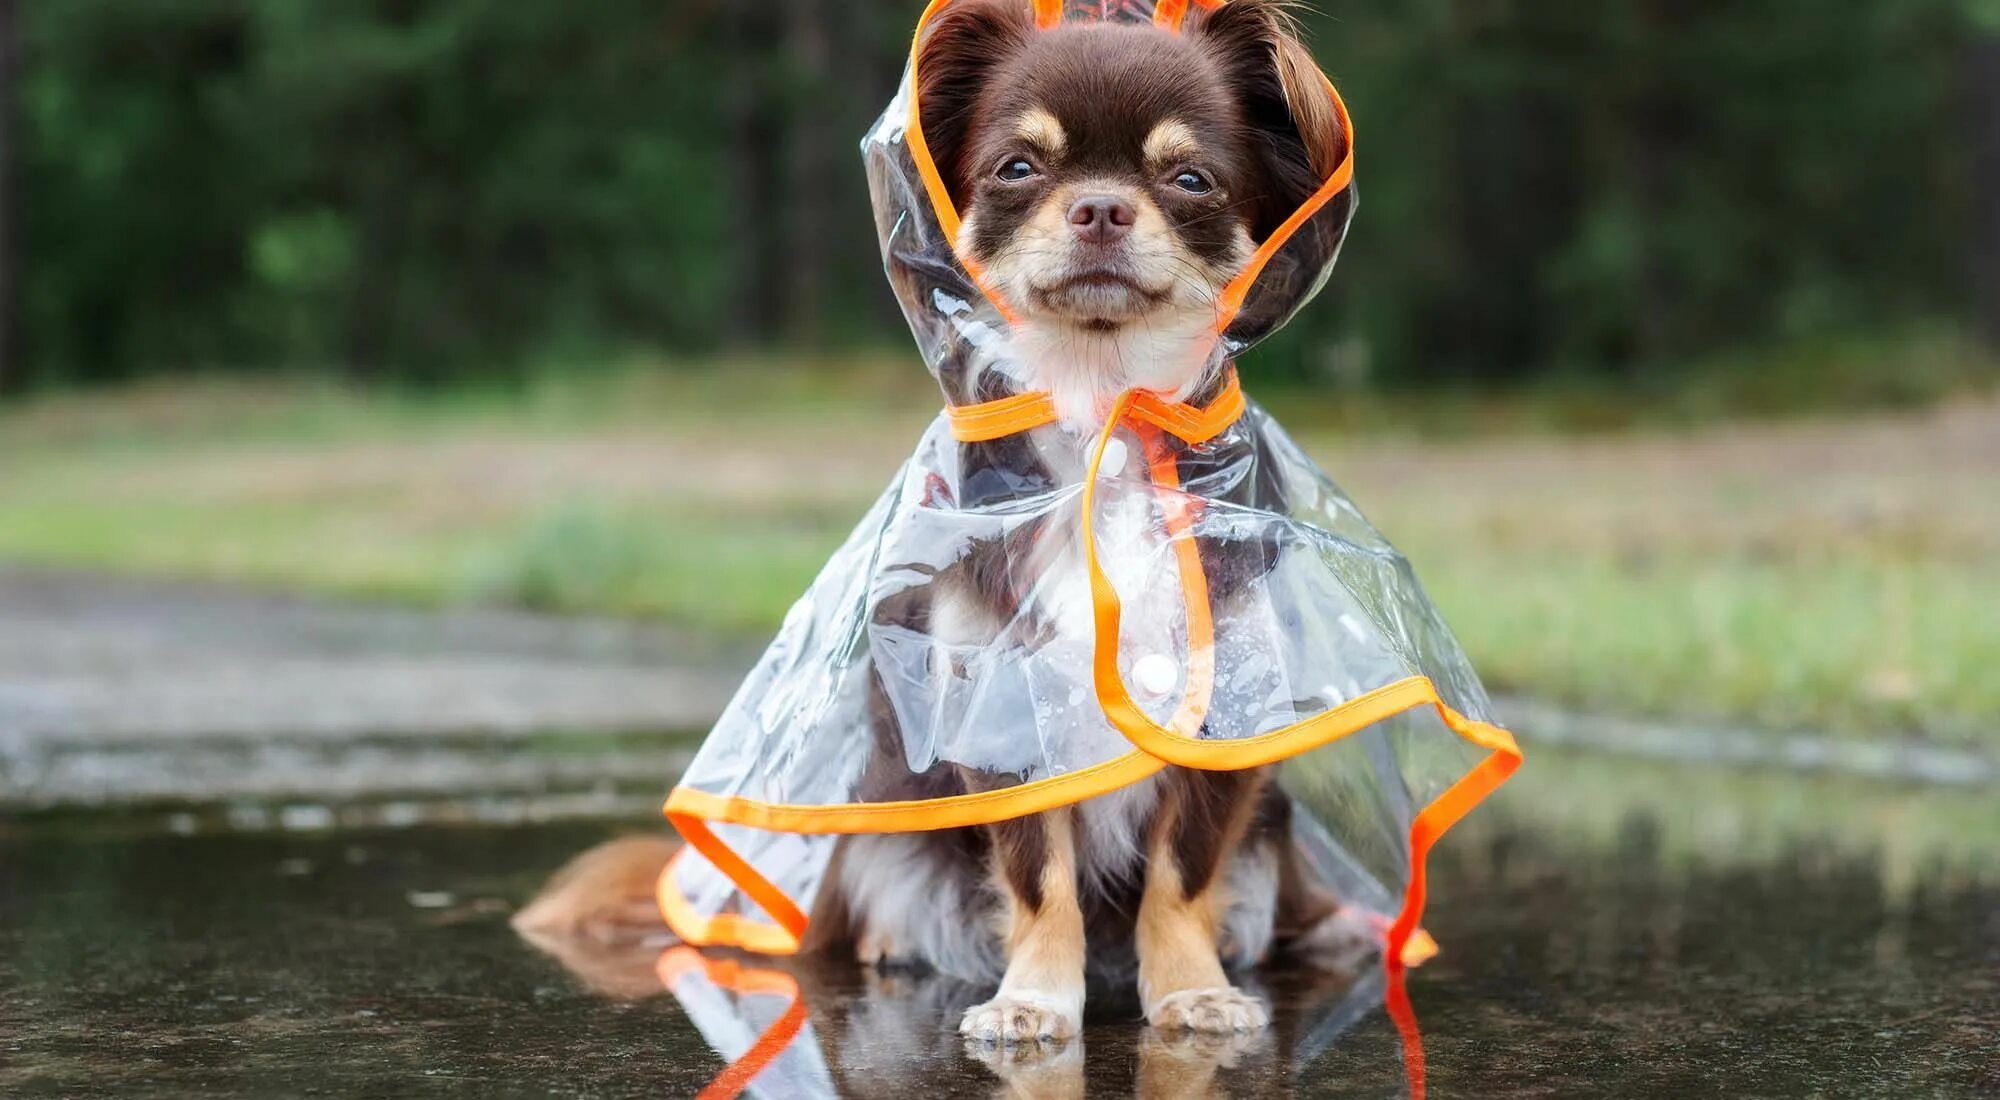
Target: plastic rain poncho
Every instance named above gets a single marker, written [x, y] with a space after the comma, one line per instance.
[1331, 662]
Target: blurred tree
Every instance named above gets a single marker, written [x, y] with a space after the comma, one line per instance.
[751, 114]
[422, 188]
[1982, 96]
[13, 370]
[1656, 145]
[809, 167]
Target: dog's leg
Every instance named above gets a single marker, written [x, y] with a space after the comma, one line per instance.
[1312, 926]
[1202, 818]
[1041, 996]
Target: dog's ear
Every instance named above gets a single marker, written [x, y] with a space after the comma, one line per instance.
[960, 49]
[1295, 130]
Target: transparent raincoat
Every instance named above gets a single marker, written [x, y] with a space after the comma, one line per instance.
[1123, 655]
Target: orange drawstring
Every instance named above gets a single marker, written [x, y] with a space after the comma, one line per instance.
[1002, 417]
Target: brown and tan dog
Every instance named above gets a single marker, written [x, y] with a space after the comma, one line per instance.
[1112, 180]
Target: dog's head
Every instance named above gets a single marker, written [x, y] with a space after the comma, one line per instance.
[1113, 178]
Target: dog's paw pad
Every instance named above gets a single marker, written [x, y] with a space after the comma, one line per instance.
[1015, 1019]
[1212, 1010]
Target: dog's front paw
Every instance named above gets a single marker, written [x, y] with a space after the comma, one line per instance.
[1020, 1018]
[1213, 1010]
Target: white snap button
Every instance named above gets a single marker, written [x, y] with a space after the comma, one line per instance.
[1113, 462]
[1155, 673]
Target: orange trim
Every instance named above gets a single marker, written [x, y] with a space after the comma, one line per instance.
[1407, 944]
[1181, 511]
[920, 150]
[1234, 294]
[1433, 822]
[1048, 13]
[1005, 416]
[1419, 949]
[1001, 417]
[677, 962]
[920, 155]
[1193, 425]
[722, 929]
[951, 812]
[987, 807]
[729, 929]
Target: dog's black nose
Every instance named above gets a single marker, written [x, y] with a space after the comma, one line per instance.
[1100, 219]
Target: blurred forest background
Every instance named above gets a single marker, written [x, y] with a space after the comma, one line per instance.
[428, 189]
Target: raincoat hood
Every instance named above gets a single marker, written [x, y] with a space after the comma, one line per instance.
[1181, 587]
[958, 320]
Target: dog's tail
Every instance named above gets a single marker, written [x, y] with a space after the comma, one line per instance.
[605, 894]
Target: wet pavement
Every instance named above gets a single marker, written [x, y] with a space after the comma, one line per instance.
[1608, 927]
[113, 688]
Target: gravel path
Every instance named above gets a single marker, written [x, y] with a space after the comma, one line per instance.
[117, 690]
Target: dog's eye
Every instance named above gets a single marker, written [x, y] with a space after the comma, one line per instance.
[1014, 171]
[1193, 182]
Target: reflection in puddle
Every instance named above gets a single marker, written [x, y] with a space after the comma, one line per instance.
[1614, 929]
[755, 1018]
[821, 1028]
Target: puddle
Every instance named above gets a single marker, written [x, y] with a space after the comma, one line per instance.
[1608, 927]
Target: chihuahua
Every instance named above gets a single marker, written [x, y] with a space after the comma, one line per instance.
[1112, 179]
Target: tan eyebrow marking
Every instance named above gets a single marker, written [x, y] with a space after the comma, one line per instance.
[1041, 129]
[1170, 140]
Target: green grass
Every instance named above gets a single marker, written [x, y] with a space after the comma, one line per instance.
[733, 575]
[1841, 644]
[1826, 574]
